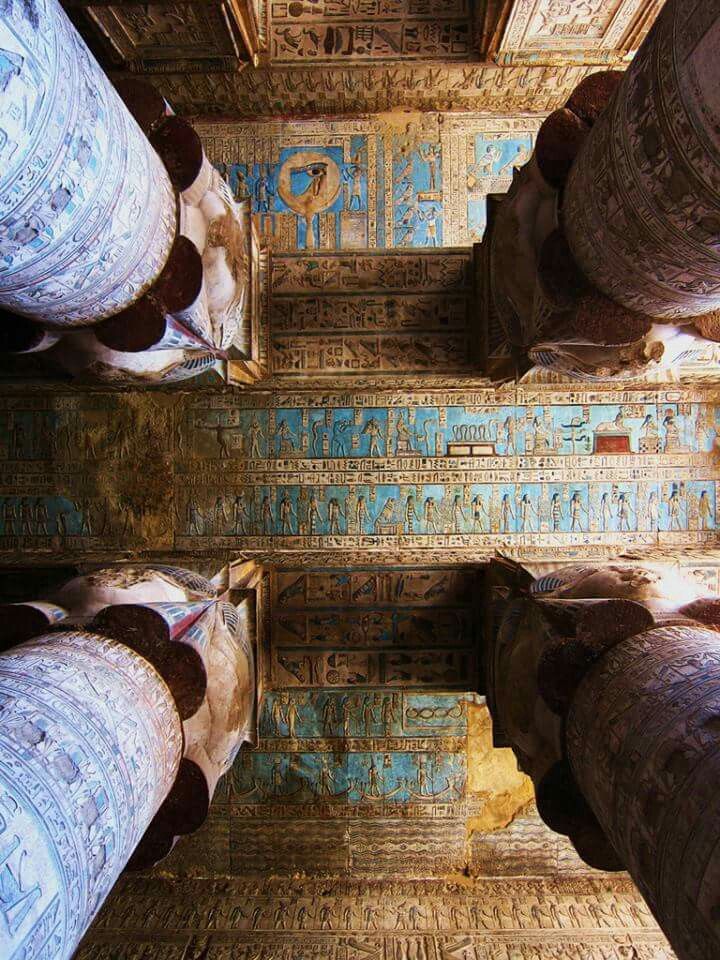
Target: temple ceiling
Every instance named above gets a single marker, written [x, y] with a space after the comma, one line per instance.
[371, 475]
[498, 56]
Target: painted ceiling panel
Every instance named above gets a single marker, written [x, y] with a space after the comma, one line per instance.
[391, 181]
[430, 475]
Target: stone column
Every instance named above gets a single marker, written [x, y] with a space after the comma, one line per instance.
[123, 253]
[603, 260]
[606, 684]
[113, 737]
[641, 208]
[87, 210]
[90, 745]
[643, 743]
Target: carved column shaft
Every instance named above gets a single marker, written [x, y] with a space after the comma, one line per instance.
[603, 260]
[202, 645]
[605, 681]
[642, 741]
[112, 219]
[90, 745]
[112, 738]
[642, 202]
[87, 210]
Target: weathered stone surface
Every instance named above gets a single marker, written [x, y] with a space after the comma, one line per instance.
[494, 781]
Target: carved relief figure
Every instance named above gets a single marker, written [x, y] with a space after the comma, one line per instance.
[527, 511]
[507, 514]
[411, 516]
[314, 515]
[577, 510]
[286, 514]
[256, 435]
[705, 511]
[458, 514]
[556, 512]
[479, 513]
[373, 431]
[361, 513]
[431, 515]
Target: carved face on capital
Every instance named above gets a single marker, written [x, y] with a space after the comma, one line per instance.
[656, 584]
[533, 729]
[86, 595]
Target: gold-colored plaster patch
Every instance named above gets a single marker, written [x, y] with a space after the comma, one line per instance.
[499, 789]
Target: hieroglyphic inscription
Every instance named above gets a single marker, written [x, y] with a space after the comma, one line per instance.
[396, 629]
[165, 31]
[354, 184]
[342, 735]
[167, 36]
[594, 30]
[370, 31]
[363, 294]
[382, 271]
[381, 920]
[371, 353]
[371, 311]
[545, 467]
[540, 468]
[283, 11]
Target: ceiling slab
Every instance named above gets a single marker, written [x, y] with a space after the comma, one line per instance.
[573, 31]
[363, 56]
